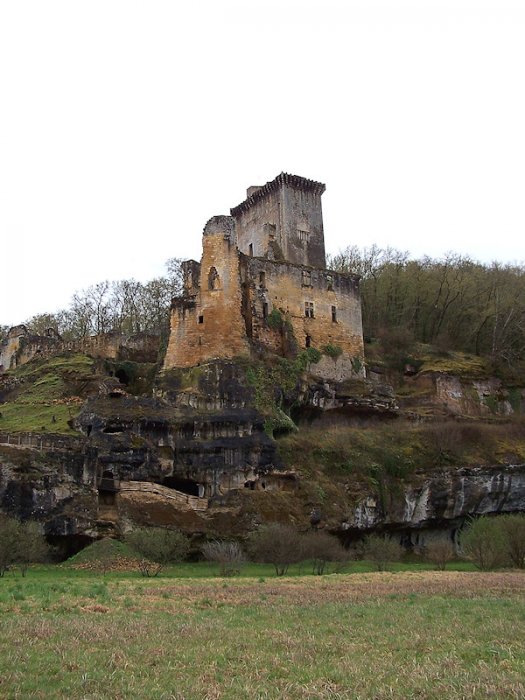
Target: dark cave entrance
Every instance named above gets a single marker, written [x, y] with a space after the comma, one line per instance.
[187, 486]
[122, 376]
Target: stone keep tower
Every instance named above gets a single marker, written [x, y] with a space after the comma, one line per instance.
[283, 221]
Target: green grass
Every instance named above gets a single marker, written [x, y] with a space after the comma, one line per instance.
[47, 398]
[393, 635]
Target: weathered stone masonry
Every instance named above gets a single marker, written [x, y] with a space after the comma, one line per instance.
[269, 255]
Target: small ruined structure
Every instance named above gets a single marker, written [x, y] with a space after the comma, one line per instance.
[262, 283]
[22, 345]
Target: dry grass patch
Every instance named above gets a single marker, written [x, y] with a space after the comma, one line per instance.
[379, 635]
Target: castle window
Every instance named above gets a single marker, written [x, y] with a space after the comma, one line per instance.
[308, 341]
[265, 309]
[201, 319]
[303, 235]
[306, 278]
[251, 250]
[309, 309]
[329, 282]
[213, 278]
[262, 279]
[334, 314]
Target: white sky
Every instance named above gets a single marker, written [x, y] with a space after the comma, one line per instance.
[125, 125]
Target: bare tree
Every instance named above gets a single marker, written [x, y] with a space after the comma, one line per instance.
[276, 544]
[228, 555]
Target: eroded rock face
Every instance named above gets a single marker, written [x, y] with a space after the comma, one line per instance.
[441, 501]
[57, 488]
[197, 456]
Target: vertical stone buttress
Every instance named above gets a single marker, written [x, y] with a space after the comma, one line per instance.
[207, 322]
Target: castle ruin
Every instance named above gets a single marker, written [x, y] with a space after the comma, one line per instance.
[262, 283]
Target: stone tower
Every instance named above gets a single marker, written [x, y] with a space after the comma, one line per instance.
[283, 221]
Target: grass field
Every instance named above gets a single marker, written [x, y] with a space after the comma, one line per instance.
[416, 634]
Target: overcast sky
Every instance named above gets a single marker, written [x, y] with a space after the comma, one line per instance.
[125, 125]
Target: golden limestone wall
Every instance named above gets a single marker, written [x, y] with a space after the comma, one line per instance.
[336, 309]
[210, 324]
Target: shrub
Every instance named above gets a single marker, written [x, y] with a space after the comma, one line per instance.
[483, 543]
[439, 553]
[228, 555]
[333, 351]
[322, 548]
[158, 547]
[275, 319]
[513, 529]
[276, 544]
[382, 551]
[21, 544]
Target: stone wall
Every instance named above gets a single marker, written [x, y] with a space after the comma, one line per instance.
[283, 220]
[334, 308]
[21, 346]
[209, 323]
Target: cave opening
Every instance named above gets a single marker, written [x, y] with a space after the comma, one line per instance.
[188, 486]
[122, 376]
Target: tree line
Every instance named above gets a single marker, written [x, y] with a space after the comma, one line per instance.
[124, 306]
[453, 302]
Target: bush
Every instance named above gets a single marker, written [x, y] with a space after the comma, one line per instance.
[382, 551]
[440, 553]
[483, 543]
[158, 547]
[276, 544]
[322, 548]
[513, 530]
[333, 351]
[21, 544]
[228, 555]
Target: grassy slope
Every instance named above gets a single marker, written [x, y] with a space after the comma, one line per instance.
[432, 635]
[50, 388]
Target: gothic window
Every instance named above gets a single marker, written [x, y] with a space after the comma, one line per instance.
[309, 309]
[213, 279]
[303, 235]
[306, 278]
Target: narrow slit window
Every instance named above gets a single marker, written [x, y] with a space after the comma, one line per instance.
[262, 279]
[309, 309]
[265, 309]
[329, 282]
[201, 319]
[308, 341]
[306, 278]
[251, 250]
[334, 314]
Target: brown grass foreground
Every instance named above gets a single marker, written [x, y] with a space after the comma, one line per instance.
[378, 635]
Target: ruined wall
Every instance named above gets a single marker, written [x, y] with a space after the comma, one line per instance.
[210, 323]
[283, 220]
[332, 298]
[21, 347]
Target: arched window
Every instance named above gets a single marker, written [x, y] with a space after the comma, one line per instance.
[213, 279]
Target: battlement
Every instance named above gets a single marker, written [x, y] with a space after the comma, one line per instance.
[258, 192]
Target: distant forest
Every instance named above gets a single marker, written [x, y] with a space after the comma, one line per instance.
[453, 302]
